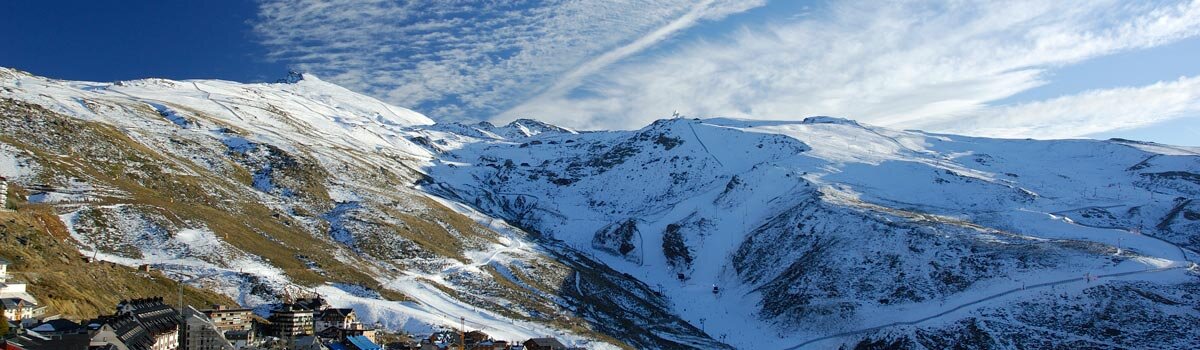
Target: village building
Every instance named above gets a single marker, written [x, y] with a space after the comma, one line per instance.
[200, 333]
[19, 306]
[491, 344]
[235, 324]
[356, 342]
[147, 324]
[444, 339]
[20, 312]
[242, 339]
[57, 334]
[315, 303]
[307, 343]
[403, 344]
[58, 326]
[335, 318]
[3, 194]
[341, 334]
[291, 320]
[127, 332]
[32, 340]
[544, 344]
[359, 329]
[138, 324]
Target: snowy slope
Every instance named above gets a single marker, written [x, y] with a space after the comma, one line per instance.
[816, 234]
[824, 226]
[312, 184]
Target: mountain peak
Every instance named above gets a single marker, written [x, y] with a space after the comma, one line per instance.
[531, 127]
[293, 77]
[821, 119]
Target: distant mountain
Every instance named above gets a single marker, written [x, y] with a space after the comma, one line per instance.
[688, 233]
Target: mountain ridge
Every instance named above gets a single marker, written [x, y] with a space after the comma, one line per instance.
[612, 238]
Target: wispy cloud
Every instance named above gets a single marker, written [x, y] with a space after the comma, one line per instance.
[469, 59]
[1085, 113]
[939, 65]
[903, 64]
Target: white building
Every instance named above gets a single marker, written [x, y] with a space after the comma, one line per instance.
[200, 333]
[3, 194]
[20, 306]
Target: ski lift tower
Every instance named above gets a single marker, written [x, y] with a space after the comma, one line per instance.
[676, 115]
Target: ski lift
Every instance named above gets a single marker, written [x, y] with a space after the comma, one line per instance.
[716, 290]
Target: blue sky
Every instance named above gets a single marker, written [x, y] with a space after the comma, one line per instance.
[105, 41]
[1097, 68]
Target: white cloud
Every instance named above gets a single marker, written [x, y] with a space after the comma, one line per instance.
[1085, 113]
[939, 66]
[901, 64]
[469, 59]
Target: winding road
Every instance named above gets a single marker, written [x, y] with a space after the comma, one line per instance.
[1183, 251]
[208, 96]
[981, 300]
[702, 145]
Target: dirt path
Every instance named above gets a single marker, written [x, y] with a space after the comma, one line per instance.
[981, 300]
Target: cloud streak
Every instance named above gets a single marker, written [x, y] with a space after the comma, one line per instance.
[901, 64]
[1085, 113]
[938, 66]
[457, 60]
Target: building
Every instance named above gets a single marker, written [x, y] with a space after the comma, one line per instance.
[307, 343]
[58, 326]
[200, 333]
[452, 339]
[3, 194]
[358, 329]
[235, 324]
[230, 319]
[242, 339]
[20, 312]
[335, 318]
[476, 337]
[544, 344]
[159, 320]
[32, 340]
[140, 324]
[358, 342]
[444, 339]
[124, 332]
[57, 334]
[491, 344]
[291, 320]
[316, 303]
[19, 306]
[405, 343]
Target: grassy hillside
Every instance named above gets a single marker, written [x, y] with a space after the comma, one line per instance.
[103, 156]
[58, 275]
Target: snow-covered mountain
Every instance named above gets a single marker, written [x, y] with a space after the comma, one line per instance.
[688, 233]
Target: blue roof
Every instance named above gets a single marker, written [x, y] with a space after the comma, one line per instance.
[336, 346]
[362, 343]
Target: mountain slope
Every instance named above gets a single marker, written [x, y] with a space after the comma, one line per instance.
[826, 226]
[715, 233]
[265, 191]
